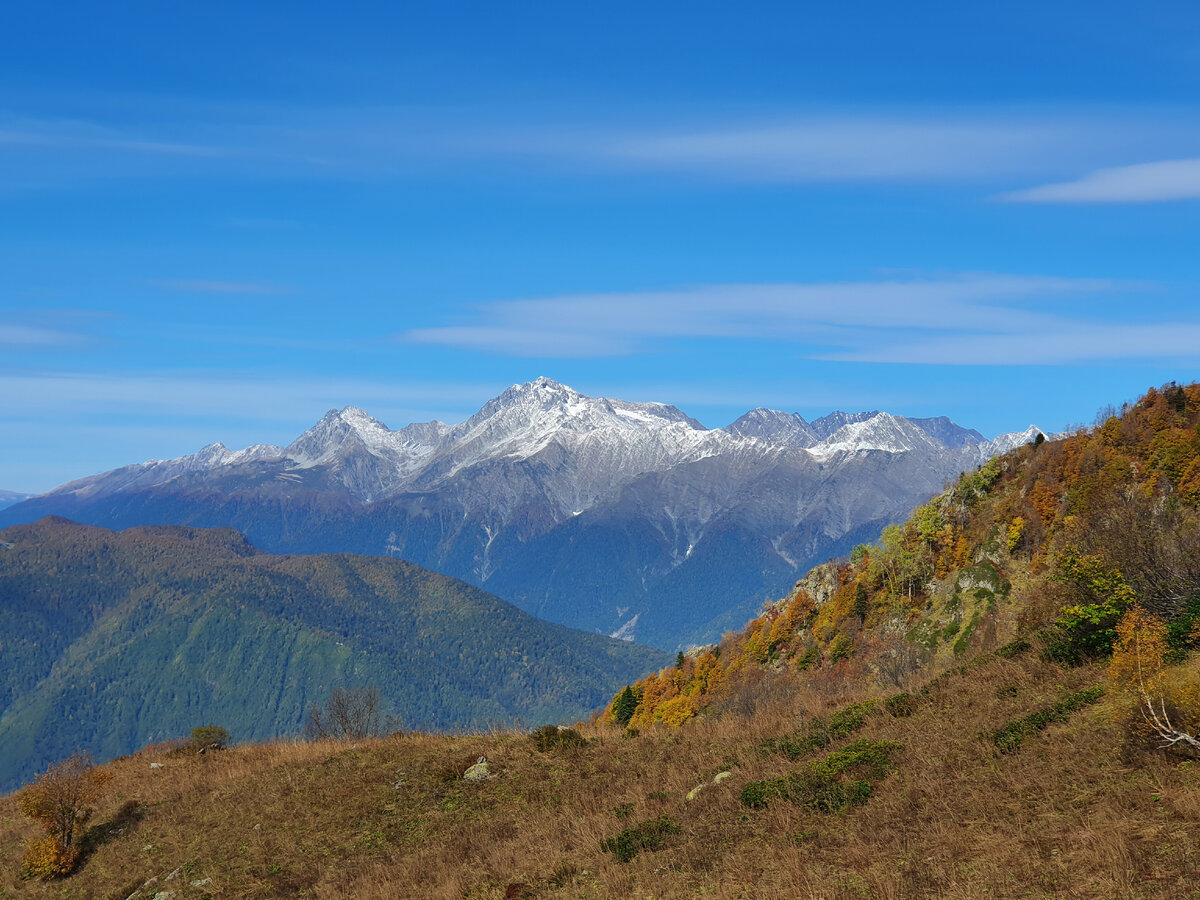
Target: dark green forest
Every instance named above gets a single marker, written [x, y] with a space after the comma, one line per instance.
[112, 640]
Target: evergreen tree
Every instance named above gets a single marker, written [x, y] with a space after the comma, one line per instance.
[626, 705]
[862, 602]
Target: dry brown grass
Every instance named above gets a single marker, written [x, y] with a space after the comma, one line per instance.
[1068, 815]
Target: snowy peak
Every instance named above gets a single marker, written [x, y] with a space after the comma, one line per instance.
[599, 443]
[545, 401]
[1013, 439]
[882, 431]
[337, 428]
[773, 425]
[825, 426]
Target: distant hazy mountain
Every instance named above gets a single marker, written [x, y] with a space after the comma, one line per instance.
[10, 498]
[628, 518]
[110, 640]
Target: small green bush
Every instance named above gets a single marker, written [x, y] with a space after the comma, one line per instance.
[806, 659]
[210, 737]
[1180, 629]
[839, 648]
[1086, 631]
[819, 733]
[843, 778]
[1009, 738]
[648, 835]
[1013, 648]
[900, 705]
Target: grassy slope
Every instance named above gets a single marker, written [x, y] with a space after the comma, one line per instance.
[1064, 816]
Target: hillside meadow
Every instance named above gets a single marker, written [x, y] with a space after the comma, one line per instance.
[1072, 812]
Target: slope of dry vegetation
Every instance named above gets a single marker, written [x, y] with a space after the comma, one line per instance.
[1067, 813]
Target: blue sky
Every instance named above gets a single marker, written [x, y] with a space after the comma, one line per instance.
[217, 220]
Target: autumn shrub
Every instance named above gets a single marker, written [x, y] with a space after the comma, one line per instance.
[845, 777]
[553, 737]
[650, 834]
[47, 858]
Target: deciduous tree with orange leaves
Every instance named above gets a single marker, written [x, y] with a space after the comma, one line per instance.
[61, 801]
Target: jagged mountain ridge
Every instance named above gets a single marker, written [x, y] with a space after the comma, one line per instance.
[587, 511]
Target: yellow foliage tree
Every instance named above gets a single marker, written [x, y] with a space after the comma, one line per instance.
[677, 710]
[61, 801]
[1139, 652]
[1138, 666]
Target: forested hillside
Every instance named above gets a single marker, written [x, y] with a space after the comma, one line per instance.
[110, 640]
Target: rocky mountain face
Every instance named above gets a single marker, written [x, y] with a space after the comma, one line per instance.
[627, 518]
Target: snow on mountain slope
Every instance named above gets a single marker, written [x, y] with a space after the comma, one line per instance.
[825, 426]
[773, 425]
[882, 431]
[527, 418]
[595, 444]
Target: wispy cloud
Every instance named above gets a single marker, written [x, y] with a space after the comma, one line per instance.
[1155, 182]
[852, 148]
[1066, 342]
[295, 401]
[220, 287]
[1004, 318]
[935, 146]
[32, 336]
[54, 134]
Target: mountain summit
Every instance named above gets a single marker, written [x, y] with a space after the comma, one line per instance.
[628, 518]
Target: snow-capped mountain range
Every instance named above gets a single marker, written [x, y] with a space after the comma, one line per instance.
[593, 512]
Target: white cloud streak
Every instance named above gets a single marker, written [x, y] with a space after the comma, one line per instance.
[383, 142]
[297, 402]
[963, 319]
[221, 287]
[1155, 182]
[856, 148]
[29, 336]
